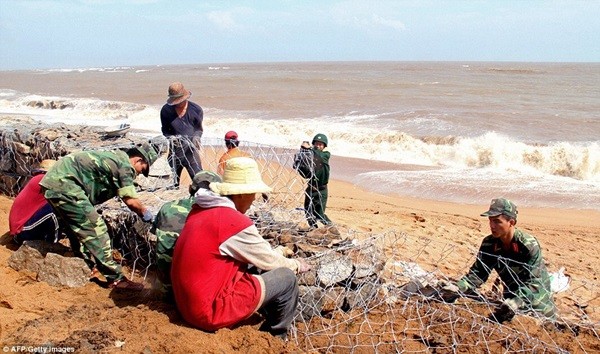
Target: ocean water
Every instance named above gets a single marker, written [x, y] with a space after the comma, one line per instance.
[452, 131]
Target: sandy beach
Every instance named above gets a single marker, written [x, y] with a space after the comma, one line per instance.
[34, 313]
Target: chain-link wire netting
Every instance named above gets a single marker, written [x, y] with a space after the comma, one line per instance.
[366, 292]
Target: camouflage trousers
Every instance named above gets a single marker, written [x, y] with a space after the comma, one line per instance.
[87, 232]
[164, 256]
[315, 202]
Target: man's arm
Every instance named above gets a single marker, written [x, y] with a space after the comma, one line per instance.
[303, 161]
[165, 122]
[479, 272]
[248, 246]
[135, 205]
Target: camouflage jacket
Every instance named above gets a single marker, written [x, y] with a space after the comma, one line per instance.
[168, 224]
[313, 164]
[100, 174]
[521, 269]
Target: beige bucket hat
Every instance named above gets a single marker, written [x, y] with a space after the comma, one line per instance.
[241, 176]
[177, 94]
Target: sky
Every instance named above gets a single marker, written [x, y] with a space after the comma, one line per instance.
[42, 34]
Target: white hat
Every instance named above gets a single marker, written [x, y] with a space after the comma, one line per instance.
[241, 176]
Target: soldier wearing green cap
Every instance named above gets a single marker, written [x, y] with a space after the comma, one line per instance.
[169, 223]
[312, 163]
[81, 180]
[517, 258]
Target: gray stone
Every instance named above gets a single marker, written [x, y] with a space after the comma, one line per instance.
[11, 185]
[7, 162]
[367, 261]
[366, 269]
[45, 247]
[57, 270]
[23, 165]
[21, 148]
[26, 258]
[333, 268]
[363, 297]
[359, 282]
[311, 302]
[308, 278]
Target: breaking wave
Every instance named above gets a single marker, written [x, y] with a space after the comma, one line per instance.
[359, 138]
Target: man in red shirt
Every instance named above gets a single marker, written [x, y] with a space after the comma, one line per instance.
[31, 217]
[212, 285]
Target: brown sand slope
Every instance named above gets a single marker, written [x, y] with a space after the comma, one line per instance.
[34, 313]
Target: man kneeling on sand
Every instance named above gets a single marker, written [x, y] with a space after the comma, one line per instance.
[169, 222]
[211, 283]
[81, 180]
[517, 258]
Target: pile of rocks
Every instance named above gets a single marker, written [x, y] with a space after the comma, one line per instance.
[346, 274]
[24, 144]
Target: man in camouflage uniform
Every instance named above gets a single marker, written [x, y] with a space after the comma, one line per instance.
[81, 180]
[517, 258]
[313, 163]
[169, 223]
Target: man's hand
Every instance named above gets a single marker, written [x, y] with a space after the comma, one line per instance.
[505, 312]
[284, 251]
[449, 292]
[305, 145]
[303, 266]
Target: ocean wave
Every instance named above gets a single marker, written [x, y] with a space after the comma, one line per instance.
[355, 135]
[16, 101]
[88, 111]
[517, 71]
[491, 150]
[82, 70]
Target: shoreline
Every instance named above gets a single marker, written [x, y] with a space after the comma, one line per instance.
[538, 216]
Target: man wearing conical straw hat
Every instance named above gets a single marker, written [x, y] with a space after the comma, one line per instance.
[212, 285]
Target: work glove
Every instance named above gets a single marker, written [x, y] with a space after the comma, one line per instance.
[505, 312]
[148, 216]
[448, 291]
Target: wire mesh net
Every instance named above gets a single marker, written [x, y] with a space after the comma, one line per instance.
[367, 292]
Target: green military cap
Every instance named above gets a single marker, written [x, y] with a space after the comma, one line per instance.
[502, 206]
[203, 176]
[322, 138]
[149, 154]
